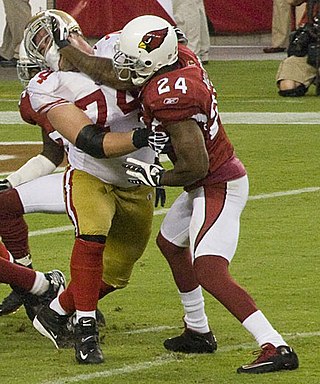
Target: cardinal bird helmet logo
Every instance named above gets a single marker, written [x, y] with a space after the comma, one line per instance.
[153, 39]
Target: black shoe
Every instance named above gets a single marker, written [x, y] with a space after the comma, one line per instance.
[33, 303]
[272, 359]
[273, 49]
[11, 303]
[192, 342]
[101, 321]
[8, 63]
[54, 326]
[87, 346]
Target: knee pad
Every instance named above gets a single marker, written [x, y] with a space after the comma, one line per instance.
[295, 92]
[101, 239]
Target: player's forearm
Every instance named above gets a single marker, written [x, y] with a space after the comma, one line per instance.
[118, 144]
[100, 69]
[181, 178]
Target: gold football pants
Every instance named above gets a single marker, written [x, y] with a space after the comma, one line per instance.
[123, 215]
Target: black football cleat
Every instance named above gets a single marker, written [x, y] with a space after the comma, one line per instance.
[272, 359]
[54, 326]
[11, 303]
[192, 342]
[87, 346]
[33, 303]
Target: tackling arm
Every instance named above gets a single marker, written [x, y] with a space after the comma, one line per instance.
[100, 69]
[192, 162]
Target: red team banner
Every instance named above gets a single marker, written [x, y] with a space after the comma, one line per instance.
[99, 17]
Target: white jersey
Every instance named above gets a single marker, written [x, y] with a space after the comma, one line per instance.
[116, 111]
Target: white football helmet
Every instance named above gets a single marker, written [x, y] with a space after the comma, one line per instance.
[146, 44]
[38, 33]
[26, 69]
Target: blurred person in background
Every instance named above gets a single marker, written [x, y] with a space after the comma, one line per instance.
[190, 16]
[281, 26]
[300, 69]
[18, 13]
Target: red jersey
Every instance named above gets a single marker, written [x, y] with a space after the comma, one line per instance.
[32, 117]
[29, 115]
[187, 93]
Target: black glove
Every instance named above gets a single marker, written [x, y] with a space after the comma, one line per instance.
[59, 32]
[160, 197]
[4, 185]
[157, 141]
[143, 173]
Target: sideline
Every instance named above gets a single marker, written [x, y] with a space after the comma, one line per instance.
[164, 359]
[165, 210]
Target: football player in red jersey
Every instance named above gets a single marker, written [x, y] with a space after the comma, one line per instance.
[29, 189]
[31, 284]
[199, 234]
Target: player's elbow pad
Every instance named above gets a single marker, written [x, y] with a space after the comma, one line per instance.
[90, 141]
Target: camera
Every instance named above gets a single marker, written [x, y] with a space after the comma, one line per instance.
[299, 41]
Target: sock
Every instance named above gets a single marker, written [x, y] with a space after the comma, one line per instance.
[13, 228]
[105, 289]
[40, 285]
[214, 277]
[86, 274]
[4, 253]
[193, 304]
[55, 305]
[20, 278]
[260, 328]
[80, 314]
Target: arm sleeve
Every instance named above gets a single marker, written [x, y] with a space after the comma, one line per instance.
[35, 167]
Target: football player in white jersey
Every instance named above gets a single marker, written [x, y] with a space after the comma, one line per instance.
[112, 219]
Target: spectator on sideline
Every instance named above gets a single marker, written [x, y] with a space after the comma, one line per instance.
[18, 13]
[190, 16]
[281, 23]
[298, 71]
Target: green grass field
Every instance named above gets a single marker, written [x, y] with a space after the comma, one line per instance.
[277, 261]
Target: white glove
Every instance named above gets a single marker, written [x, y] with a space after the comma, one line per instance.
[52, 57]
[143, 173]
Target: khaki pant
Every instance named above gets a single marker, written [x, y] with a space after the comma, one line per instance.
[281, 22]
[296, 69]
[18, 13]
[190, 16]
[124, 216]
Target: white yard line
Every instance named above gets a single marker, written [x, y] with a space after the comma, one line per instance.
[162, 360]
[163, 211]
[226, 117]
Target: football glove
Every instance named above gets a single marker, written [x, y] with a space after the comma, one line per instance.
[4, 185]
[59, 31]
[143, 173]
[182, 38]
[157, 141]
